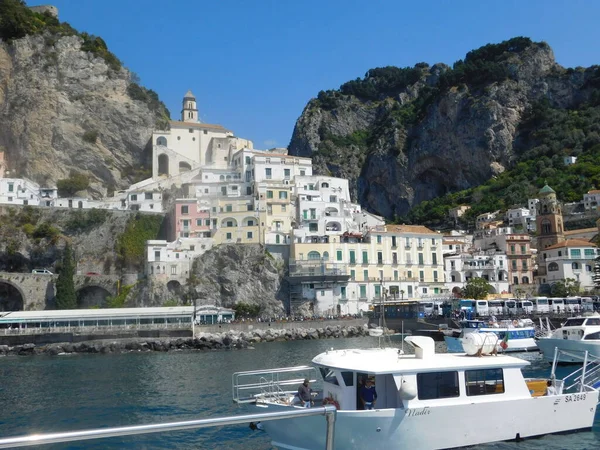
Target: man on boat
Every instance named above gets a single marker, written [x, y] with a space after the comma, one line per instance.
[368, 395]
[550, 389]
[304, 394]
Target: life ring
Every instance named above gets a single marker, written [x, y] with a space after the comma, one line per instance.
[331, 401]
[515, 323]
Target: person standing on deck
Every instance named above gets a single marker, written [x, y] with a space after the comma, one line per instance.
[304, 394]
[368, 395]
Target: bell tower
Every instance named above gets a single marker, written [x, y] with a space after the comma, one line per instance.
[549, 219]
[189, 112]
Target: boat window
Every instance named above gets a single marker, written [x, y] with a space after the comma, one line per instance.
[574, 322]
[328, 375]
[484, 382]
[434, 385]
[348, 378]
[593, 321]
[592, 336]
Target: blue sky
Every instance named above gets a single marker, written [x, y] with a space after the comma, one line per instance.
[253, 65]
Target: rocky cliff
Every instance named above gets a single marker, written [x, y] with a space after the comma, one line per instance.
[230, 274]
[67, 106]
[406, 135]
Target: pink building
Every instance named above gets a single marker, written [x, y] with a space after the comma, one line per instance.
[191, 219]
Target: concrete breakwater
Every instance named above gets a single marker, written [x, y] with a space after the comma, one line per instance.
[203, 341]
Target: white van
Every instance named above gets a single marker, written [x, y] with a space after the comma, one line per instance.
[427, 308]
[525, 307]
[557, 305]
[541, 305]
[42, 272]
[482, 309]
[510, 306]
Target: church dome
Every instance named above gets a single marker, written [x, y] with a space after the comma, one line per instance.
[547, 190]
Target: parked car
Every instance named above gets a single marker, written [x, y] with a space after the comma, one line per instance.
[92, 274]
[42, 272]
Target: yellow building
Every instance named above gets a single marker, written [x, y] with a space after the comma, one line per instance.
[344, 274]
[274, 202]
[234, 221]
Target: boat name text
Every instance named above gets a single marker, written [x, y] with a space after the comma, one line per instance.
[418, 412]
[574, 398]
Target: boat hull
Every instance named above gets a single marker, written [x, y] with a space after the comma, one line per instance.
[390, 429]
[514, 345]
[547, 346]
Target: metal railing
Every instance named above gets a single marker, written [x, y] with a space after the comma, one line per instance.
[328, 411]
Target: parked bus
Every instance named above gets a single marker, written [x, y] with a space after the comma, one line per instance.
[557, 305]
[587, 304]
[496, 307]
[510, 306]
[524, 306]
[572, 304]
[541, 305]
[482, 309]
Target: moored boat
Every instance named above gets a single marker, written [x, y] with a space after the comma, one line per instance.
[418, 393]
[513, 335]
[576, 336]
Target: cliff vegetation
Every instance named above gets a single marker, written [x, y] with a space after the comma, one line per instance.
[488, 131]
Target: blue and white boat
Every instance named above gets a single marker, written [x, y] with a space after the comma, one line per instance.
[513, 336]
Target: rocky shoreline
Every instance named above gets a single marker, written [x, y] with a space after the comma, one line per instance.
[228, 340]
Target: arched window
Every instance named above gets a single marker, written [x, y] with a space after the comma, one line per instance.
[314, 255]
[184, 167]
[325, 256]
[222, 178]
[546, 227]
[560, 227]
[552, 267]
[161, 141]
[575, 266]
[324, 185]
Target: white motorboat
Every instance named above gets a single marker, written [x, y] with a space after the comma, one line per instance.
[576, 336]
[513, 335]
[419, 393]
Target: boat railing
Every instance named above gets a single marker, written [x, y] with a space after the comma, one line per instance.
[270, 384]
[32, 440]
[586, 378]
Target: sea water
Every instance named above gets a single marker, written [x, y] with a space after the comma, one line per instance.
[76, 392]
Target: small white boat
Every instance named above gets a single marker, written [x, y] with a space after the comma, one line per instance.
[417, 394]
[513, 335]
[576, 336]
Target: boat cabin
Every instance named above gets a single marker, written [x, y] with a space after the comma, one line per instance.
[579, 328]
[420, 380]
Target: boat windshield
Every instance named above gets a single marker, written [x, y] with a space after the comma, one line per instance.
[574, 322]
[328, 375]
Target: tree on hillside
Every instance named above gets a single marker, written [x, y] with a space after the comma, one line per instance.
[65, 287]
[565, 288]
[477, 288]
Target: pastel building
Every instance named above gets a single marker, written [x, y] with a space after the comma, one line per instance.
[573, 258]
[490, 265]
[346, 273]
[591, 200]
[172, 262]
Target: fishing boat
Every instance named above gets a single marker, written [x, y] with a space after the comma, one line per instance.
[575, 337]
[420, 396]
[513, 335]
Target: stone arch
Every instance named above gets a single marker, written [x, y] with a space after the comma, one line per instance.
[12, 297]
[229, 222]
[184, 167]
[161, 141]
[250, 220]
[91, 296]
[174, 286]
[163, 164]
[333, 226]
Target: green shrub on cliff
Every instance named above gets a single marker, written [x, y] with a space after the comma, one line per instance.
[131, 245]
[76, 182]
